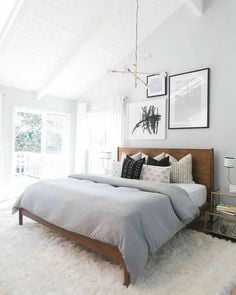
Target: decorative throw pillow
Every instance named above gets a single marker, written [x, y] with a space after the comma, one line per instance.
[134, 157]
[116, 168]
[131, 168]
[163, 162]
[156, 173]
[181, 170]
[158, 157]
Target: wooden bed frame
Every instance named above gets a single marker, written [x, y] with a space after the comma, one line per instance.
[203, 167]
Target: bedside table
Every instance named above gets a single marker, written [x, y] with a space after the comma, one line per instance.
[219, 223]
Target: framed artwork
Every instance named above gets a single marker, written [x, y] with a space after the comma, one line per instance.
[157, 85]
[146, 119]
[189, 100]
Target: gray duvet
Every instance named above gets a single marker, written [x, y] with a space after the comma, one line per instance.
[136, 216]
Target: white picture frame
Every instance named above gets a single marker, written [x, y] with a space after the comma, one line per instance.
[146, 120]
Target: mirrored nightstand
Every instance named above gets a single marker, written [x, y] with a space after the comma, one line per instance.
[221, 218]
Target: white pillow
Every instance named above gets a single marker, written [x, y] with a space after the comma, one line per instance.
[181, 170]
[158, 157]
[135, 156]
[116, 168]
[156, 173]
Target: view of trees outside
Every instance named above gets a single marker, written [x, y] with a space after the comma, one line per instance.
[40, 144]
[28, 131]
[54, 137]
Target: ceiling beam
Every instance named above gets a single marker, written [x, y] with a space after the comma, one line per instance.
[15, 17]
[196, 6]
[60, 67]
[55, 73]
[67, 60]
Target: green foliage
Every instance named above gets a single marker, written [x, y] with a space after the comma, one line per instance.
[28, 132]
[53, 137]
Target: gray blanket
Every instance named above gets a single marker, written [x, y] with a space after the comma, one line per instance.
[136, 216]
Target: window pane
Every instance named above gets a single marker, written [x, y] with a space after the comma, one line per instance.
[54, 134]
[28, 132]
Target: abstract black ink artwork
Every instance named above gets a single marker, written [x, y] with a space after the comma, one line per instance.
[149, 120]
[146, 119]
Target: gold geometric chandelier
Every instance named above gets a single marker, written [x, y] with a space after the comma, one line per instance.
[135, 71]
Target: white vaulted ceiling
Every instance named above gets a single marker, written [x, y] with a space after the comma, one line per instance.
[61, 47]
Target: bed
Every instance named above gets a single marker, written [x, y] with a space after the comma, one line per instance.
[129, 212]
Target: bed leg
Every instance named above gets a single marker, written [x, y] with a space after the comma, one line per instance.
[126, 277]
[20, 217]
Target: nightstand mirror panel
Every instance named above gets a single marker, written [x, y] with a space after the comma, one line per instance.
[221, 225]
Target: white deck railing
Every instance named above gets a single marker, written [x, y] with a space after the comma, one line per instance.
[28, 164]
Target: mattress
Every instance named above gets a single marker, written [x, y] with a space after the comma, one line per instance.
[197, 192]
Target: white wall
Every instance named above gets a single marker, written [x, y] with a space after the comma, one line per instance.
[185, 43]
[16, 97]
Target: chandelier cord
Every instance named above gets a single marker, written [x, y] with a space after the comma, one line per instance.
[135, 71]
[136, 39]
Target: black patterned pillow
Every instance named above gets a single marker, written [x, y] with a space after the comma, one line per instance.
[131, 168]
[163, 162]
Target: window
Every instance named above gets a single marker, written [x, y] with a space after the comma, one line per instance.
[41, 143]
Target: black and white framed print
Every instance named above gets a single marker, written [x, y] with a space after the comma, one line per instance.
[189, 100]
[156, 85]
[146, 119]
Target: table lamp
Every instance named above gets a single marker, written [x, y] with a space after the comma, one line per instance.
[105, 156]
[229, 163]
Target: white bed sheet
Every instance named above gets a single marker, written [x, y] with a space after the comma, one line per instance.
[197, 192]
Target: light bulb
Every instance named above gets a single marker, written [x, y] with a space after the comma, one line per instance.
[163, 74]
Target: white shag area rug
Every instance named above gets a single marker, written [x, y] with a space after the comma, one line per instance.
[35, 260]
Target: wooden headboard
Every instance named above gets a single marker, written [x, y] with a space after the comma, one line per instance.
[203, 161]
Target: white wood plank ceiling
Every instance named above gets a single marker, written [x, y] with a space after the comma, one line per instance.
[61, 47]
